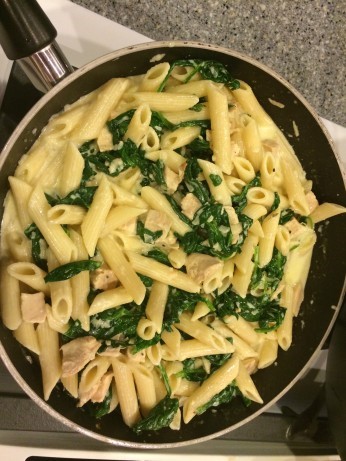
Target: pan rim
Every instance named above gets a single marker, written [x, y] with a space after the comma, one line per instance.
[113, 56]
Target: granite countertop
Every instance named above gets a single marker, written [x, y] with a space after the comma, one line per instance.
[303, 40]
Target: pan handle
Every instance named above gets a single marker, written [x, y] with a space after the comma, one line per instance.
[28, 36]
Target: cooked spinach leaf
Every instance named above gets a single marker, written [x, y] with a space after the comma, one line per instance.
[191, 372]
[215, 179]
[209, 70]
[83, 196]
[276, 203]
[179, 301]
[165, 379]
[269, 314]
[198, 374]
[139, 343]
[212, 233]
[159, 256]
[147, 235]
[109, 323]
[225, 396]
[239, 201]
[267, 278]
[192, 182]
[119, 125]
[68, 270]
[160, 416]
[33, 233]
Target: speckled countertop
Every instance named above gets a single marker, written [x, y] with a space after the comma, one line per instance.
[303, 40]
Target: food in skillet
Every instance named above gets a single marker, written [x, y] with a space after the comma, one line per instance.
[156, 243]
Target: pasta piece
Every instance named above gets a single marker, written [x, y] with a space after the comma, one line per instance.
[150, 141]
[220, 131]
[266, 244]
[80, 285]
[156, 304]
[49, 357]
[198, 330]
[120, 215]
[126, 392]
[158, 202]
[268, 353]
[325, 211]
[145, 387]
[170, 158]
[21, 192]
[66, 214]
[90, 125]
[10, 299]
[154, 77]
[60, 293]
[95, 218]
[121, 267]
[29, 274]
[162, 273]
[139, 124]
[56, 238]
[220, 379]
[72, 171]
[252, 143]
[161, 101]
[244, 169]
[294, 190]
[215, 181]
[179, 137]
[109, 298]
[246, 385]
[26, 335]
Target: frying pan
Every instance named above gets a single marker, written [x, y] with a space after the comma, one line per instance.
[326, 283]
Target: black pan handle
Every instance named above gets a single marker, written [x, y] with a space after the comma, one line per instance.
[28, 36]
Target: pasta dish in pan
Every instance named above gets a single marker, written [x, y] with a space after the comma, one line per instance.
[156, 242]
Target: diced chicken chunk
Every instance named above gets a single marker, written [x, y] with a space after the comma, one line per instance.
[158, 221]
[172, 179]
[189, 205]
[103, 278]
[295, 228]
[204, 269]
[33, 307]
[101, 391]
[312, 201]
[77, 353]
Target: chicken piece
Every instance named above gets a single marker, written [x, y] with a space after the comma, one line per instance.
[172, 179]
[103, 278]
[77, 353]
[312, 201]
[33, 307]
[189, 205]
[205, 270]
[101, 391]
[295, 228]
[158, 221]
